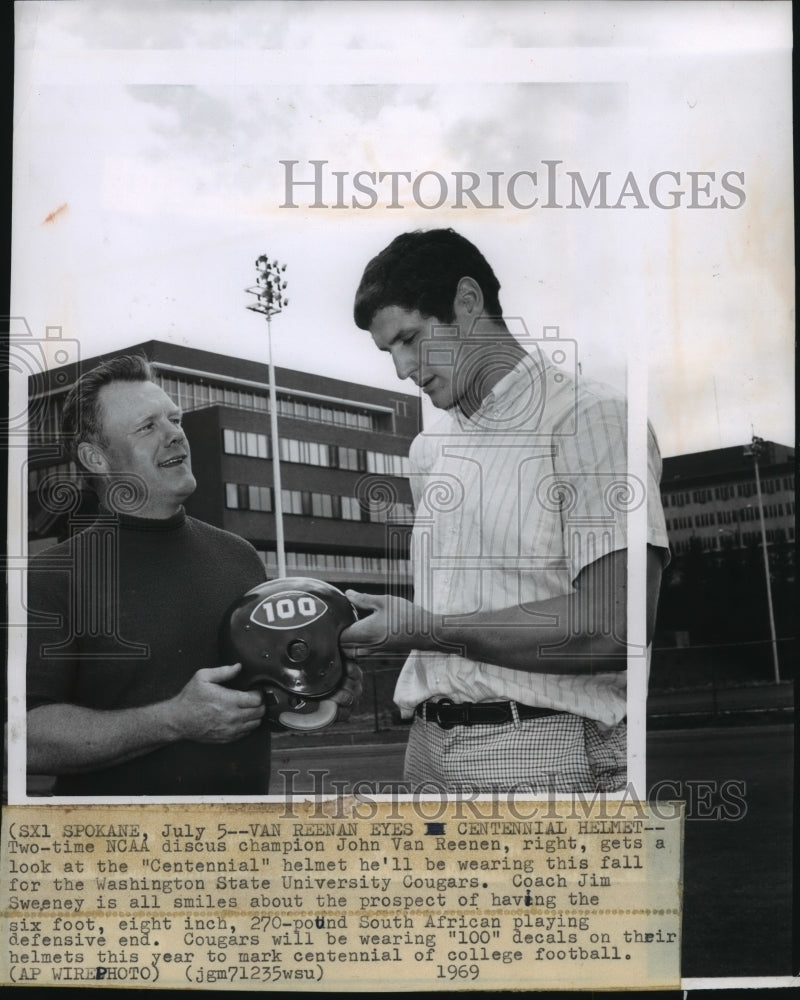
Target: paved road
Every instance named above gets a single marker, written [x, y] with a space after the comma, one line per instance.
[737, 785]
[325, 770]
[737, 917]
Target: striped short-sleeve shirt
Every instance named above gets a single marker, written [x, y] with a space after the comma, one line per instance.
[511, 504]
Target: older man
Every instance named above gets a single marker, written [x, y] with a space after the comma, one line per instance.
[126, 693]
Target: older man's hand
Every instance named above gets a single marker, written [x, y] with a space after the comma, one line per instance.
[350, 691]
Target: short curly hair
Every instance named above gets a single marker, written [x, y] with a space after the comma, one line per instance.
[421, 270]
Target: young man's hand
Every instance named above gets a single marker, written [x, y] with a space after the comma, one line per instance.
[392, 625]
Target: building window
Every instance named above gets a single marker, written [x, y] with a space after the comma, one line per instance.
[302, 409]
[259, 498]
[290, 450]
[384, 464]
[313, 563]
[292, 501]
[316, 453]
[192, 394]
[246, 496]
[322, 505]
[397, 512]
[351, 510]
[305, 452]
[245, 443]
[354, 459]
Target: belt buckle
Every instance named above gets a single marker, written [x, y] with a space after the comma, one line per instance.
[460, 710]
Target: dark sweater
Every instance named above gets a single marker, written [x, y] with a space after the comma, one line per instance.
[139, 604]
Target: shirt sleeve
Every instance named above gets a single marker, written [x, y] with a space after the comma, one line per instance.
[418, 468]
[52, 656]
[253, 564]
[597, 492]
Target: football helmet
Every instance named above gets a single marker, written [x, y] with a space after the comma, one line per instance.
[285, 633]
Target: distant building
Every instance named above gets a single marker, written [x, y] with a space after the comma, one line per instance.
[343, 451]
[710, 496]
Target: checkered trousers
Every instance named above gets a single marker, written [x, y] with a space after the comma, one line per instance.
[555, 754]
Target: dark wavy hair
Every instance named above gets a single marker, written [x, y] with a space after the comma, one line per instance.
[421, 270]
[80, 418]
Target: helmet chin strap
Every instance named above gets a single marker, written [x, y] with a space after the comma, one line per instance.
[309, 721]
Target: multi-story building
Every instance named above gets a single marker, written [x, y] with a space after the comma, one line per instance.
[345, 493]
[711, 497]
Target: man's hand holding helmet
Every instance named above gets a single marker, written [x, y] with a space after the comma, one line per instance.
[350, 691]
[285, 633]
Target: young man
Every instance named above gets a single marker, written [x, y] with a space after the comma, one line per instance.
[126, 694]
[517, 637]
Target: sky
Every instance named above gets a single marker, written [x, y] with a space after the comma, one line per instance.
[148, 142]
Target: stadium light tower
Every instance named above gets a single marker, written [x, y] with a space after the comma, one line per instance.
[756, 449]
[269, 301]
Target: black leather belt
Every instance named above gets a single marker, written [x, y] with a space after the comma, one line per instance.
[447, 714]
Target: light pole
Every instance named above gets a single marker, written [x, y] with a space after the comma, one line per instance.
[756, 448]
[268, 290]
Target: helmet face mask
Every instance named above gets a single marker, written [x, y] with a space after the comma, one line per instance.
[285, 633]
